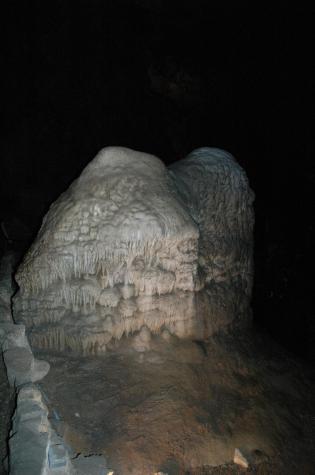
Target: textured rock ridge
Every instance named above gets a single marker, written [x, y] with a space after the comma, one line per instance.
[125, 249]
[215, 190]
[122, 204]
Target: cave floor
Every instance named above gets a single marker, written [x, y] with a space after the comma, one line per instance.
[183, 407]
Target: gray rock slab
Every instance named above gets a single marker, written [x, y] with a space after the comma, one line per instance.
[35, 449]
[5, 312]
[28, 451]
[14, 336]
[22, 367]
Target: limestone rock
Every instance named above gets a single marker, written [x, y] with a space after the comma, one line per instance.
[29, 440]
[133, 244]
[240, 459]
[215, 189]
[5, 312]
[22, 367]
[14, 336]
[35, 449]
[141, 342]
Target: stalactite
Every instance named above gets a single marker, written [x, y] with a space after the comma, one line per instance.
[132, 245]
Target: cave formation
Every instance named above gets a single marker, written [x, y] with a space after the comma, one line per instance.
[136, 296]
[133, 248]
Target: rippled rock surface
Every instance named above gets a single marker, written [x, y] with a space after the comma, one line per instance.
[133, 249]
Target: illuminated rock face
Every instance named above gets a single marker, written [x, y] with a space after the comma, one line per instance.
[216, 193]
[132, 247]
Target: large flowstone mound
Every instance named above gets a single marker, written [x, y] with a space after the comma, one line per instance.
[133, 247]
[215, 191]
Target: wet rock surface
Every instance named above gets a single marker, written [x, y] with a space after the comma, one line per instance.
[183, 407]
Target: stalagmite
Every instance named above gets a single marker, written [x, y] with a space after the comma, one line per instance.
[134, 247]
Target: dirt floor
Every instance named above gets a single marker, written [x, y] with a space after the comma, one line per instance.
[183, 407]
